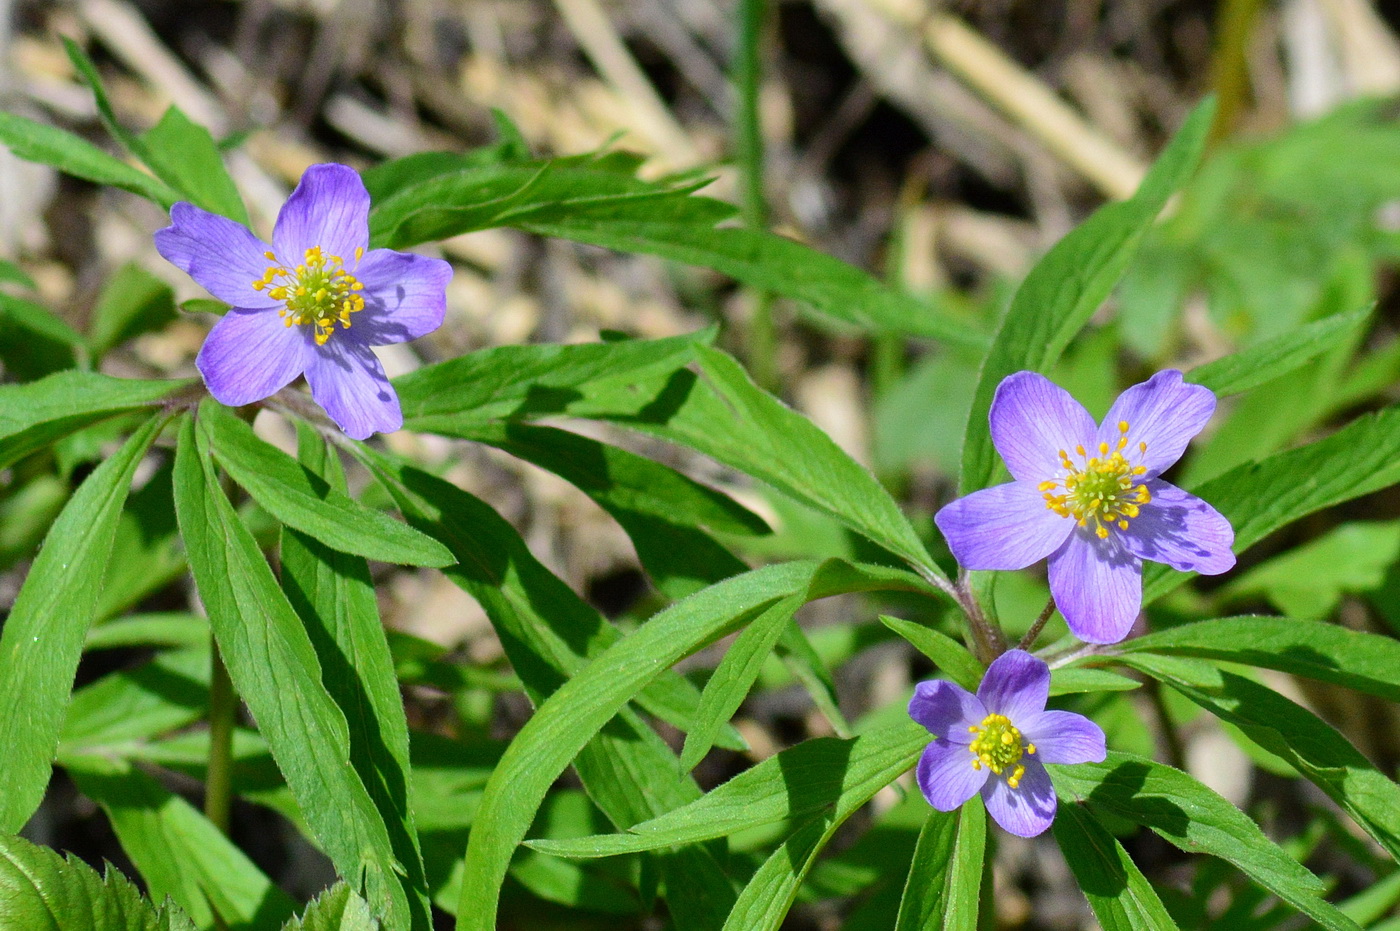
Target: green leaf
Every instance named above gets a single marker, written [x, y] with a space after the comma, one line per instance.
[1290, 731]
[134, 705]
[1121, 897]
[575, 199]
[36, 414]
[133, 302]
[334, 595]
[1197, 820]
[305, 502]
[1072, 681]
[10, 273]
[183, 155]
[795, 784]
[336, 909]
[1259, 498]
[42, 639]
[34, 342]
[581, 706]
[160, 629]
[548, 632]
[951, 657]
[1066, 286]
[179, 852]
[73, 155]
[1308, 581]
[1315, 650]
[734, 676]
[274, 667]
[942, 891]
[43, 891]
[1278, 356]
[518, 381]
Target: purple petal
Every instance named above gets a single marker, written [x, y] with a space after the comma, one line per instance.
[1002, 527]
[1181, 530]
[405, 296]
[1016, 685]
[1026, 810]
[348, 381]
[1064, 737]
[223, 257]
[946, 776]
[1097, 586]
[250, 354]
[1032, 420]
[1165, 413]
[330, 209]
[947, 710]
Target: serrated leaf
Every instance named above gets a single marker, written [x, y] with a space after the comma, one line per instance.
[1121, 897]
[183, 155]
[42, 891]
[306, 503]
[42, 638]
[274, 668]
[943, 889]
[1065, 287]
[951, 657]
[36, 414]
[334, 595]
[1259, 498]
[1276, 357]
[581, 706]
[179, 852]
[74, 155]
[133, 302]
[336, 909]
[795, 784]
[1301, 738]
[1197, 820]
[1312, 649]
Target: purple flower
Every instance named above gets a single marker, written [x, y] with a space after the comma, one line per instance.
[1089, 498]
[313, 303]
[998, 741]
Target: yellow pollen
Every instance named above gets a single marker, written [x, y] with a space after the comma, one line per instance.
[999, 746]
[1102, 493]
[317, 293]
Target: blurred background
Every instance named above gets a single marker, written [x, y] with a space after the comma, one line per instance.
[940, 146]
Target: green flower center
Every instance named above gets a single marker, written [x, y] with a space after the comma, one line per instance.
[1103, 491]
[318, 293]
[999, 746]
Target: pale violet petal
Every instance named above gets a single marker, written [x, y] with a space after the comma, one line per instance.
[347, 380]
[1016, 685]
[221, 256]
[1033, 420]
[405, 296]
[1181, 530]
[250, 354]
[1163, 412]
[1064, 737]
[946, 776]
[1097, 585]
[1002, 527]
[329, 209]
[1026, 810]
[947, 710]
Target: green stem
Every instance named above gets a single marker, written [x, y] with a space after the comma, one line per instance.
[1028, 640]
[1234, 24]
[223, 707]
[761, 349]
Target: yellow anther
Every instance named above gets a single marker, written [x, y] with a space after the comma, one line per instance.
[318, 293]
[1101, 492]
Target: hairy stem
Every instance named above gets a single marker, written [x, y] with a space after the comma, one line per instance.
[1029, 639]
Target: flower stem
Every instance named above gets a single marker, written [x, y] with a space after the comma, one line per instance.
[1029, 639]
[1171, 744]
[988, 640]
[223, 706]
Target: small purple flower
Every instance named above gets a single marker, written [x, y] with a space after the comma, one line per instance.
[1089, 497]
[998, 741]
[313, 303]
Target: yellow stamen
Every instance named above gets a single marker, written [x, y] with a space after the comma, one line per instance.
[317, 293]
[1100, 493]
